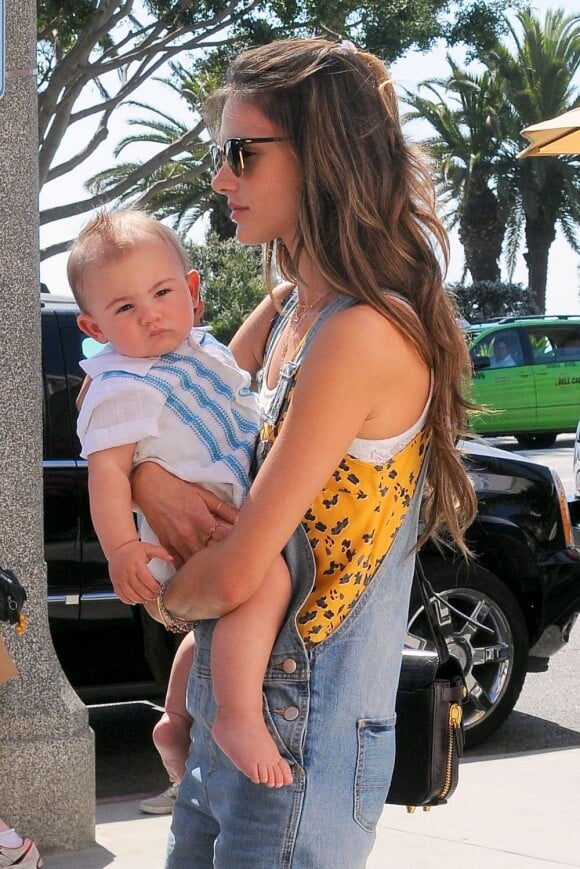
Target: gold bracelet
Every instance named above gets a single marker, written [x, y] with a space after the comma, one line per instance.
[172, 623]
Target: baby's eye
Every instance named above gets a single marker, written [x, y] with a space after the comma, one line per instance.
[163, 291]
[124, 308]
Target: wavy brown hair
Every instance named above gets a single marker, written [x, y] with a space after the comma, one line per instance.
[368, 220]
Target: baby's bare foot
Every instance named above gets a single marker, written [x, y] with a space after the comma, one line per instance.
[248, 744]
[171, 738]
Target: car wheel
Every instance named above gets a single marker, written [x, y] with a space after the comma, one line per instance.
[540, 441]
[484, 630]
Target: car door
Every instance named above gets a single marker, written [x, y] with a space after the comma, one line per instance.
[503, 383]
[62, 538]
[98, 639]
[556, 353]
[98, 600]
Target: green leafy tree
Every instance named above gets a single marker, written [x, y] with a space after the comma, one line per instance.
[483, 300]
[231, 282]
[93, 56]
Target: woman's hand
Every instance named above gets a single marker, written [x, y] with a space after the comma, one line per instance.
[186, 517]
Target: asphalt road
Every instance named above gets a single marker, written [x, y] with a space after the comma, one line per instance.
[546, 717]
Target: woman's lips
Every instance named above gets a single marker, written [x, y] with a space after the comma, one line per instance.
[235, 209]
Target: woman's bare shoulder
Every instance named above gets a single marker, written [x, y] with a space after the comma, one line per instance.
[373, 358]
[363, 332]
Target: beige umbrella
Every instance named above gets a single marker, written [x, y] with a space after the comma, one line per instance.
[560, 135]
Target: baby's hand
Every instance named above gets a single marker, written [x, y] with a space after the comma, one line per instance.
[132, 580]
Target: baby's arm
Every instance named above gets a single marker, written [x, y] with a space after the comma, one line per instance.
[111, 511]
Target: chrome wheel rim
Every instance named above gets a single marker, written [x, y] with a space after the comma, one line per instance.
[479, 636]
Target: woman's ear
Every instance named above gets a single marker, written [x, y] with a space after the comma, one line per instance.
[89, 326]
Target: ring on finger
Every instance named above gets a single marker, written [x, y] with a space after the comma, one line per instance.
[212, 531]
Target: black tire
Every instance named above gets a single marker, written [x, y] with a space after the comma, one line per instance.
[494, 661]
[540, 441]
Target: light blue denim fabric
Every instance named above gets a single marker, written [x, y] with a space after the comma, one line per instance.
[330, 709]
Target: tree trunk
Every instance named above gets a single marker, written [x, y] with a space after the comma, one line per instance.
[540, 234]
[481, 232]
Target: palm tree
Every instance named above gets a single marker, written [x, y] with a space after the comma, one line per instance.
[537, 79]
[179, 186]
[466, 115]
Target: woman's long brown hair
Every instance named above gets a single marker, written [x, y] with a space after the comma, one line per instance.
[368, 220]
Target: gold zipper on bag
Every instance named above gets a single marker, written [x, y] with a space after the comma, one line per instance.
[454, 721]
[455, 713]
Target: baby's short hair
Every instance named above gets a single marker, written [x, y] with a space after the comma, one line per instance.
[108, 236]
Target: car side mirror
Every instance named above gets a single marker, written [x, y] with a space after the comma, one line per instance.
[479, 362]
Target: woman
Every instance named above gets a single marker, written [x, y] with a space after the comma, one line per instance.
[362, 380]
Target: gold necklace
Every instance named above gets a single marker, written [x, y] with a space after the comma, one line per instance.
[300, 311]
[296, 318]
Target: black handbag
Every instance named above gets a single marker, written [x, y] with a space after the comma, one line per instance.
[429, 729]
[12, 599]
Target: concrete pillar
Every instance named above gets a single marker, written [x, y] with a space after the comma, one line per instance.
[47, 771]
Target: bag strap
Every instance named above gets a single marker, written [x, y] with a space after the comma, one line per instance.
[427, 594]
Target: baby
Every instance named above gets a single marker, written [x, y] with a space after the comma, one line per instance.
[165, 391]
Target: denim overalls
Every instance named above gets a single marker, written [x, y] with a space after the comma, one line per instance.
[331, 712]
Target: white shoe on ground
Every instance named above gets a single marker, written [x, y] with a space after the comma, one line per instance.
[162, 804]
[24, 857]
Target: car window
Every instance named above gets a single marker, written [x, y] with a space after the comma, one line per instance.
[555, 343]
[57, 422]
[503, 349]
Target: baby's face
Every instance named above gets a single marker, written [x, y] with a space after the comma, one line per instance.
[141, 302]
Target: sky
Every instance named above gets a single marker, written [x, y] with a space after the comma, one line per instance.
[563, 267]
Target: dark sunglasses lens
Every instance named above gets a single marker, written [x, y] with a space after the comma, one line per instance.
[233, 151]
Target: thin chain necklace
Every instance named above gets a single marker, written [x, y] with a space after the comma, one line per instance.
[296, 318]
[300, 311]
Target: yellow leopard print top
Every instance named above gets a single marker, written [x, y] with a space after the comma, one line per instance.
[351, 526]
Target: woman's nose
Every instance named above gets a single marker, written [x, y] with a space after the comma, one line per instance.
[224, 179]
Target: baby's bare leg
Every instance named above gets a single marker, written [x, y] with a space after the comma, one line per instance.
[241, 647]
[171, 733]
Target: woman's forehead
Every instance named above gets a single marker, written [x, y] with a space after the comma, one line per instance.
[242, 119]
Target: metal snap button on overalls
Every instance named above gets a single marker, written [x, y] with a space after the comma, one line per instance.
[291, 713]
[289, 666]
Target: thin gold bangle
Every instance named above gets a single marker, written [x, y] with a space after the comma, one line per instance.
[170, 622]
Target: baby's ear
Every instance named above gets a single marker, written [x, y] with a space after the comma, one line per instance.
[193, 282]
[89, 326]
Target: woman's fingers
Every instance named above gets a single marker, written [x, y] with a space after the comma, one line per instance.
[218, 531]
[224, 512]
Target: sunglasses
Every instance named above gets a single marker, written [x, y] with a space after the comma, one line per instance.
[232, 152]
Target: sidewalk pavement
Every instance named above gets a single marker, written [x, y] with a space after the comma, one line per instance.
[511, 812]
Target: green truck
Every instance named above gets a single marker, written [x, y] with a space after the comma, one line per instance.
[526, 377]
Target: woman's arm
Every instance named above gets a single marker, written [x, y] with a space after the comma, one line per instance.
[375, 383]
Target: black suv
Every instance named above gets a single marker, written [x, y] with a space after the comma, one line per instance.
[503, 614]
[98, 639]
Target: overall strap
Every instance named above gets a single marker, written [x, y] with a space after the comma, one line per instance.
[288, 370]
[288, 306]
